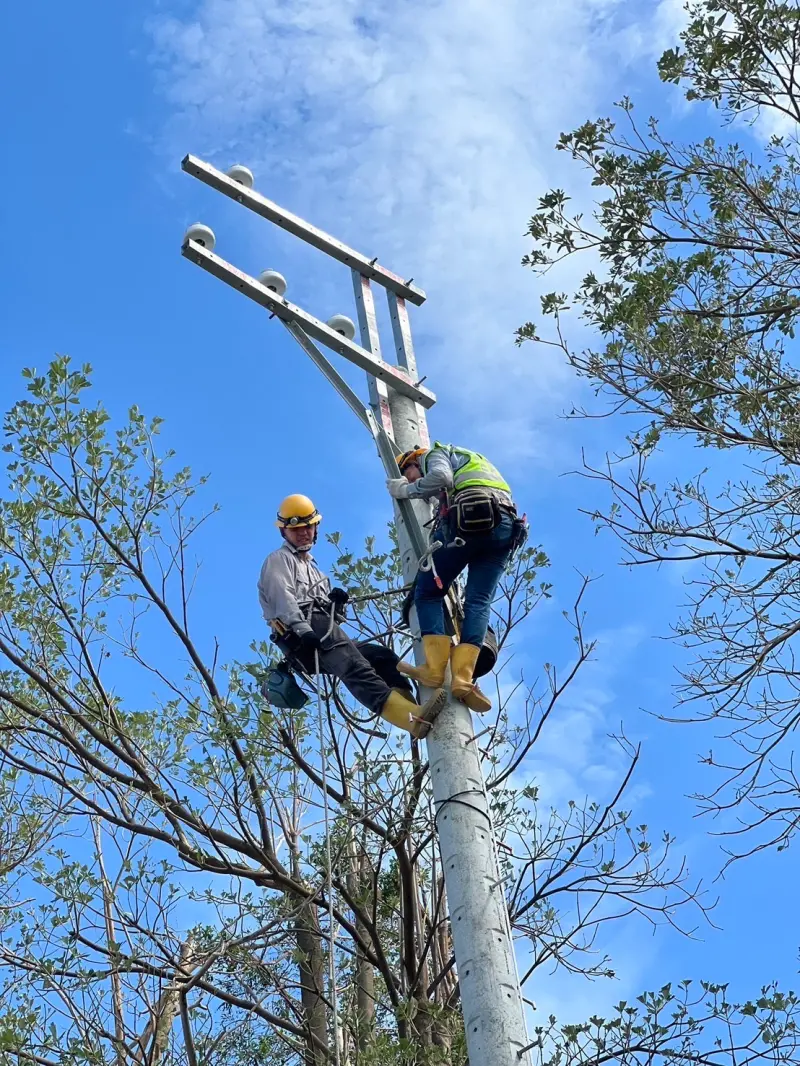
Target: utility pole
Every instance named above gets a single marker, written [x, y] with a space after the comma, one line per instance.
[493, 1009]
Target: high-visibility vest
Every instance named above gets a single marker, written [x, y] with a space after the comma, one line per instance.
[476, 472]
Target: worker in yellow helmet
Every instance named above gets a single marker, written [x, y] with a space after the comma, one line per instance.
[297, 599]
[477, 529]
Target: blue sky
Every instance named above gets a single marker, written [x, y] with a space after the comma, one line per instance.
[422, 134]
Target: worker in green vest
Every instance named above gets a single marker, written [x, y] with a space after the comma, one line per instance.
[477, 529]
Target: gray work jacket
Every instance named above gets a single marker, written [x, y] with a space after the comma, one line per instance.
[289, 583]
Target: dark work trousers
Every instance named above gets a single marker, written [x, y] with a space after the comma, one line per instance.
[384, 662]
[340, 658]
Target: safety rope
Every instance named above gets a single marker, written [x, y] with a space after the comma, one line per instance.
[426, 562]
[382, 595]
[331, 953]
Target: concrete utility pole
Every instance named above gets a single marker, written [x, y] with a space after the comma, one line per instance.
[494, 1015]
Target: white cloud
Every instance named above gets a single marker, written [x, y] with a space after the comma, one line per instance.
[575, 756]
[671, 19]
[421, 131]
[633, 953]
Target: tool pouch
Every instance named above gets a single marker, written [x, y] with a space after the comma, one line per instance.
[281, 690]
[473, 511]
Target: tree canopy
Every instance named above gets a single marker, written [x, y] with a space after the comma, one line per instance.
[692, 307]
[167, 894]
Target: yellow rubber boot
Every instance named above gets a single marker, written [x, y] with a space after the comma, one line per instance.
[415, 719]
[437, 653]
[463, 687]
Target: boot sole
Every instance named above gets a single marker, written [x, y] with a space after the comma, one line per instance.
[432, 709]
[478, 703]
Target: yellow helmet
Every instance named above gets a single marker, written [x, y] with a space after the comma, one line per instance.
[297, 510]
[407, 458]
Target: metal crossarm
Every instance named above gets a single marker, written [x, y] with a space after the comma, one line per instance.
[315, 328]
[351, 398]
[370, 268]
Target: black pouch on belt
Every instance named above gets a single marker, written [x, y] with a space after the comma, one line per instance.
[473, 511]
[285, 639]
[520, 534]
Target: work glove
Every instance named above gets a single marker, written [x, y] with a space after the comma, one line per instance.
[309, 641]
[398, 487]
[339, 596]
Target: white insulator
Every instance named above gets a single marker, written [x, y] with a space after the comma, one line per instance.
[201, 234]
[344, 325]
[241, 174]
[273, 280]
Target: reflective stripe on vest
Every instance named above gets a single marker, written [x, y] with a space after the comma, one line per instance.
[476, 472]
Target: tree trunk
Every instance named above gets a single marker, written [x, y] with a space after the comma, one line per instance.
[108, 914]
[365, 1003]
[154, 1041]
[312, 984]
[417, 968]
[364, 973]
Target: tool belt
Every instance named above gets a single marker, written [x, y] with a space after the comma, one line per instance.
[474, 511]
[289, 644]
[286, 637]
[519, 533]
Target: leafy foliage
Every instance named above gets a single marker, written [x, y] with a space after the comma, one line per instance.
[695, 309]
[171, 900]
